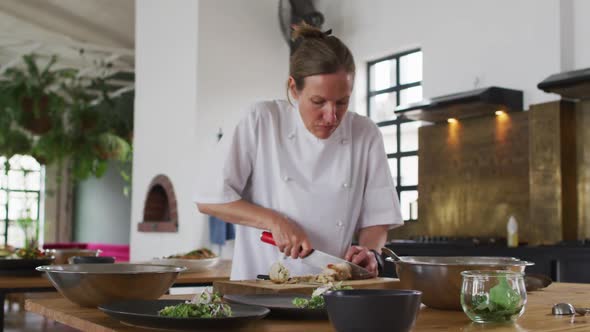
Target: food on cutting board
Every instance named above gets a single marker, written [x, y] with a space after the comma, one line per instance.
[317, 299]
[279, 274]
[335, 272]
[201, 253]
[204, 305]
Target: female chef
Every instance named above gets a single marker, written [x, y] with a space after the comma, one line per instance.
[306, 170]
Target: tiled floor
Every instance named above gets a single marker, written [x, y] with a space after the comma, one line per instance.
[20, 321]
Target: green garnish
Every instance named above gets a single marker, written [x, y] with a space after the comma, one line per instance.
[501, 305]
[205, 305]
[317, 299]
[315, 302]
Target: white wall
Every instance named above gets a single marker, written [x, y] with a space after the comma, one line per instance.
[514, 44]
[165, 114]
[242, 58]
[581, 31]
[197, 69]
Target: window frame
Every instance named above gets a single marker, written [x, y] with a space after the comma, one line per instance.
[397, 122]
[7, 221]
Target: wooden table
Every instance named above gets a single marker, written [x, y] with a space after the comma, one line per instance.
[537, 316]
[220, 272]
[21, 284]
[31, 284]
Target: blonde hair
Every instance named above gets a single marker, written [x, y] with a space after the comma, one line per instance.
[316, 52]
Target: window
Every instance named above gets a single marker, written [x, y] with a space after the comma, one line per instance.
[20, 197]
[393, 81]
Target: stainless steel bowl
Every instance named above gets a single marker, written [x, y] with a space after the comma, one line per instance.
[439, 278]
[91, 285]
[63, 255]
[192, 265]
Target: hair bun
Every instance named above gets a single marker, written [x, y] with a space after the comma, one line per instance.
[304, 30]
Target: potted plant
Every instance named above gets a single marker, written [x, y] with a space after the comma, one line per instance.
[94, 130]
[28, 94]
[52, 115]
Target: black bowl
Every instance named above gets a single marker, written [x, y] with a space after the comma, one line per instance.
[373, 309]
[92, 260]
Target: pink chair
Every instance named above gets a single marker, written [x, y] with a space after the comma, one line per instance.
[65, 245]
[119, 251]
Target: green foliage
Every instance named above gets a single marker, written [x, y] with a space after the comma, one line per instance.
[501, 305]
[29, 227]
[315, 302]
[317, 299]
[49, 114]
[207, 305]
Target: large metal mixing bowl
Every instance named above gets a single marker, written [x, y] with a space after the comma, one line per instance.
[439, 278]
[90, 285]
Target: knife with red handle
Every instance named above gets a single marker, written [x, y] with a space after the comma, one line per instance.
[321, 259]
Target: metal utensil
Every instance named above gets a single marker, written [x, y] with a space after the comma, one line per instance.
[439, 278]
[391, 254]
[568, 309]
[321, 259]
[90, 285]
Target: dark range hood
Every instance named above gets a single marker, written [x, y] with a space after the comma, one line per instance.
[469, 104]
[570, 85]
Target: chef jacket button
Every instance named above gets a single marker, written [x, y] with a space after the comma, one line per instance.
[291, 136]
[345, 185]
[340, 223]
[343, 141]
[286, 178]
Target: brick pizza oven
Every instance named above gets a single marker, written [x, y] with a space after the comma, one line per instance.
[160, 213]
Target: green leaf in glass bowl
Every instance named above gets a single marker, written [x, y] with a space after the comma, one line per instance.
[503, 295]
[501, 305]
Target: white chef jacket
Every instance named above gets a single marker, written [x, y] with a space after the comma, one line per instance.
[331, 188]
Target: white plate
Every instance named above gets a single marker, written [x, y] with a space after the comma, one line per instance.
[193, 265]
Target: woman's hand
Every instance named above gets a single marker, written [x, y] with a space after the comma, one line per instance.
[290, 238]
[363, 257]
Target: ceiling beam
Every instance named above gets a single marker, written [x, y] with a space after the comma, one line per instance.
[50, 17]
[17, 59]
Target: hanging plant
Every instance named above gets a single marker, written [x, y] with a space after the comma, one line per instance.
[52, 116]
[29, 97]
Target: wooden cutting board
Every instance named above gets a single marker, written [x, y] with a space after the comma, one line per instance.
[267, 287]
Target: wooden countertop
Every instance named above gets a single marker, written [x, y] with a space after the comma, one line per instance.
[10, 282]
[537, 316]
[219, 272]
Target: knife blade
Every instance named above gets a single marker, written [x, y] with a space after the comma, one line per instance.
[321, 259]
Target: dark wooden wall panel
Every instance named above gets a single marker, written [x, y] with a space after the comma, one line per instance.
[473, 175]
[545, 172]
[583, 167]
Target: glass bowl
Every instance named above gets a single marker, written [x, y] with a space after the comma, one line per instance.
[493, 296]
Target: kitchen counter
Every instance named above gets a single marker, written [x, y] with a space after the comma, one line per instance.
[537, 316]
[219, 272]
[40, 283]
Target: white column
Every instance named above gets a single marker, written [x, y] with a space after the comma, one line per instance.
[165, 118]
